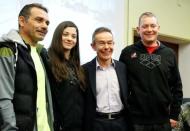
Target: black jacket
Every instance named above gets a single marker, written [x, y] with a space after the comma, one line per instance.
[25, 90]
[90, 94]
[68, 101]
[18, 85]
[155, 88]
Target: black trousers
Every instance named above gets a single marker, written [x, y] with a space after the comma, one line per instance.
[119, 124]
[58, 126]
[153, 127]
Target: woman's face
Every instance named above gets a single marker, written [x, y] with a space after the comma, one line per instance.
[69, 38]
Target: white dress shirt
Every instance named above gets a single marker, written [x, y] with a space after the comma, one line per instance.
[107, 89]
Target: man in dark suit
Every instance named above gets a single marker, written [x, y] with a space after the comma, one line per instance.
[106, 93]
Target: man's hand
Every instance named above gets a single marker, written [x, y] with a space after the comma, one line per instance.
[173, 123]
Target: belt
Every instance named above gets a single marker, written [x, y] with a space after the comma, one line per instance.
[110, 116]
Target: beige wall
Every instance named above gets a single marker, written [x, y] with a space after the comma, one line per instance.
[184, 67]
[174, 19]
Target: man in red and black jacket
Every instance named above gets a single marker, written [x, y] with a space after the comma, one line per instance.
[155, 87]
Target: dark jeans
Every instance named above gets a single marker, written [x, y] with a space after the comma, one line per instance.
[153, 127]
[119, 124]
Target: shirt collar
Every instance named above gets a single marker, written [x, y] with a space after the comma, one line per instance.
[99, 67]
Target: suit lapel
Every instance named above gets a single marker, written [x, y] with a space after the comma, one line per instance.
[121, 79]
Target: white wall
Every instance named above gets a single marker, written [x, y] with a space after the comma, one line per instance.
[88, 15]
[184, 67]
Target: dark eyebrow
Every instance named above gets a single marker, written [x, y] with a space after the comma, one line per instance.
[41, 19]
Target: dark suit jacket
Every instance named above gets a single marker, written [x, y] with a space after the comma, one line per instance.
[90, 96]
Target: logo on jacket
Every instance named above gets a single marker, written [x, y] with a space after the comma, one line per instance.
[150, 61]
[133, 55]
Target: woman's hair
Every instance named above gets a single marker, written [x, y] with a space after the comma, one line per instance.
[57, 56]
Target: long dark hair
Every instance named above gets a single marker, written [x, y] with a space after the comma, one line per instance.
[57, 57]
